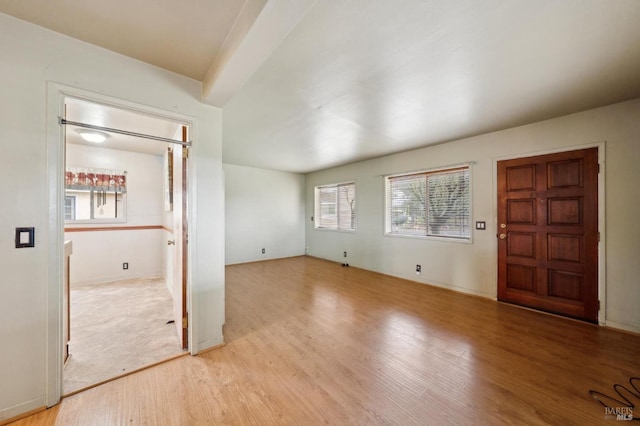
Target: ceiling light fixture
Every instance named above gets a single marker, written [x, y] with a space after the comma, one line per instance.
[93, 136]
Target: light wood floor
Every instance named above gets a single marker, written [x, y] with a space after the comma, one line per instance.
[310, 342]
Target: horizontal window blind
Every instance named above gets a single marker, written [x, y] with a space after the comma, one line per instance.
[407, 205]
[429, 204]
[335, 207]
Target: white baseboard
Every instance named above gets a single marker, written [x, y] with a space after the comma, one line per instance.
[25, 407]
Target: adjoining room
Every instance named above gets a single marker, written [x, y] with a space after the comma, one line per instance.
[124, 266]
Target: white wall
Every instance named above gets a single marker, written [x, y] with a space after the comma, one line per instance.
[30, 296]
[98, 255]
[265, 209]
[471, 268]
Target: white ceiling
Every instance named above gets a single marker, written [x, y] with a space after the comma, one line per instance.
[360, 79]
[307, 85]
[183, 37]
[81, 111]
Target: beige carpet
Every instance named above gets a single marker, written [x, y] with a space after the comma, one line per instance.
[116, 328]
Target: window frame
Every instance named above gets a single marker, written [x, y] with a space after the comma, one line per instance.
[387, 227]
[72, 199]
[317, 207]
[92, 219]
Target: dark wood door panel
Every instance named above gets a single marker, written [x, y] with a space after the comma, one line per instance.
[547, 224]
[521, 177]
[565, 174]
[521, 211]
[521, 277]
[565, 248]
[564, 211]
[565, 284]
[521, 244]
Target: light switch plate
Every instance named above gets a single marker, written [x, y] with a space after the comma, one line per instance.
[481, 225]
[25, 237]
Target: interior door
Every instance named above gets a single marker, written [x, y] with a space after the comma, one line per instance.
[548, 233]
[180, 238]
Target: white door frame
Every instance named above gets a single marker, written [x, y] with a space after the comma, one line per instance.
[56, 94]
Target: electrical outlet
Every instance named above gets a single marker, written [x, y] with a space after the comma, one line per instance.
[125, 265]
[345, 254]
[418, 269]
[263, 251]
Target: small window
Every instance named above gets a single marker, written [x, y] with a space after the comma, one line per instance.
[70, 207]
[95, 195]
[429, 204]
[89, 205]
[335, 207]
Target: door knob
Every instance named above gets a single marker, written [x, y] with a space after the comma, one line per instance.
[503, 236]
[171, 242]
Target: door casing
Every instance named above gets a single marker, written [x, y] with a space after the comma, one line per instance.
[56, 93]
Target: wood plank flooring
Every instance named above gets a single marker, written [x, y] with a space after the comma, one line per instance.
[310, 342]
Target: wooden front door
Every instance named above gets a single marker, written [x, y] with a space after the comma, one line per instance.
[548, 233]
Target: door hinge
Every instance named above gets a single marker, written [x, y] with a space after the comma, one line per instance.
[598, 305]
[185, 322]
[598, 237]
[185, 152]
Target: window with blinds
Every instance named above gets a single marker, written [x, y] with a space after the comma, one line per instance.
[335, 207]
[429, 204]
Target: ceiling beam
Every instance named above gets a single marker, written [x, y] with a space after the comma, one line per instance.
[260, 28]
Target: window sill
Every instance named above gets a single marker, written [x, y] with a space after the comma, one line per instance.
[461, 240]
[344, 231]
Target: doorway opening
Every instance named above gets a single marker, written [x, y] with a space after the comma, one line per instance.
[125, 212]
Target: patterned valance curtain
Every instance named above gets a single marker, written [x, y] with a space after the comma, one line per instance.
[83, 178]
